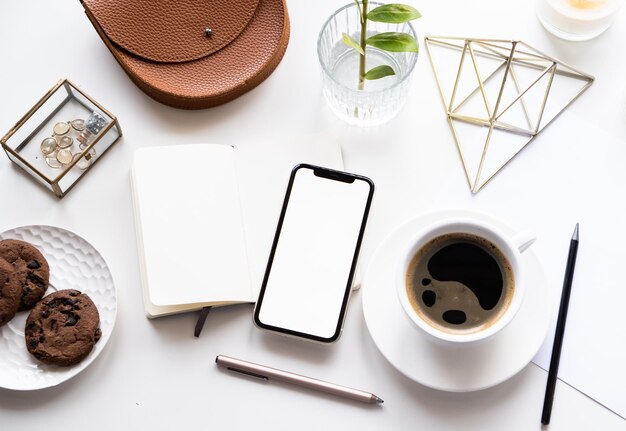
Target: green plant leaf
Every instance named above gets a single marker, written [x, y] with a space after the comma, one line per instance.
[347, 40]
[379, 72]
[393, 13]
[394, 42]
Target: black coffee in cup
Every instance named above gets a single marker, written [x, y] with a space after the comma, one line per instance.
[460, 283]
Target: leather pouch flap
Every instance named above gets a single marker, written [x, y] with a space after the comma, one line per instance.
[171, 31]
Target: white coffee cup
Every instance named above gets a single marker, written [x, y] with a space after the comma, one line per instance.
[511, 246]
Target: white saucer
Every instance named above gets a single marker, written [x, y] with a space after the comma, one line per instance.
[74, 264]
[450, 368]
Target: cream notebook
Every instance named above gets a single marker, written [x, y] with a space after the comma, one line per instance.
[190, 219]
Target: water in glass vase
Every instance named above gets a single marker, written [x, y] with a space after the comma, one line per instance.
[345, 69]
[379, 100]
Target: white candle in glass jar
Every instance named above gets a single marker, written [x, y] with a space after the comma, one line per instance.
[577, 19]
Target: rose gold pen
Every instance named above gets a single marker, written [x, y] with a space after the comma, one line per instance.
[267, 373]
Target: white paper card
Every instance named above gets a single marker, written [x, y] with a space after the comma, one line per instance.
[590, 191]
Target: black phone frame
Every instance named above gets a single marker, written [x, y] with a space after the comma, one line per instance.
[333, 175]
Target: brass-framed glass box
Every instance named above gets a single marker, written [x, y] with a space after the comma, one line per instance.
[60, 139]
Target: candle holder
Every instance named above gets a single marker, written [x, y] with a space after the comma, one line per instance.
[498, 96]
[61, 137]
[577, 20]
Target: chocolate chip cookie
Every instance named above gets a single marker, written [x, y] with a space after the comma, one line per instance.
[63, 328]
[31, 270]
[10, 292]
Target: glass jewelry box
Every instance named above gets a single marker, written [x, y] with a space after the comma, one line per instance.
[59, 140]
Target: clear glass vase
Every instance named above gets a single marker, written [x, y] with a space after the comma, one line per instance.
[381, 99]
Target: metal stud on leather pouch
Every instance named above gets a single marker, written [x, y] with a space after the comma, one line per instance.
[197, 53]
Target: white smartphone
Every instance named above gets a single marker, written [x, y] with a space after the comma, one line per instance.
[313, 259]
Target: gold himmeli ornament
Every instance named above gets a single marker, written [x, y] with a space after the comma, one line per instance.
[498, 96]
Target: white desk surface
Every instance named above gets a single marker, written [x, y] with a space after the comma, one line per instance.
[155, 374]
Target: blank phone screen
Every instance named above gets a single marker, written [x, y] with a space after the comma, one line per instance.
[309, 275]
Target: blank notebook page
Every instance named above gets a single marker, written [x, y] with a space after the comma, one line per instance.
[190, 223]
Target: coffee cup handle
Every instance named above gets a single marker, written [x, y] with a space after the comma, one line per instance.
[523, 240]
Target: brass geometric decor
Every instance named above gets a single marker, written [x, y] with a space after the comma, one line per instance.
[498, 95]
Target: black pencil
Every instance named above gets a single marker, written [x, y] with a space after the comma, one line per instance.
[560, 329]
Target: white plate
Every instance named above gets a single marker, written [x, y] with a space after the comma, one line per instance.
[450, 368]
[74, 264]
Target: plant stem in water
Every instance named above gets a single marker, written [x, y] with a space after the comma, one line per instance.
[363, 38]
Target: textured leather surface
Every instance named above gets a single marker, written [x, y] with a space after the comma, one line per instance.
[172, 30]
[215, 78]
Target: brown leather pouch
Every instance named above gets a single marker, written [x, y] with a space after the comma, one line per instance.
[193, 54]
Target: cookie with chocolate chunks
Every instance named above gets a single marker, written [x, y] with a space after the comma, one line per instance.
[10, 292]
[31, 270]
[63, 328]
